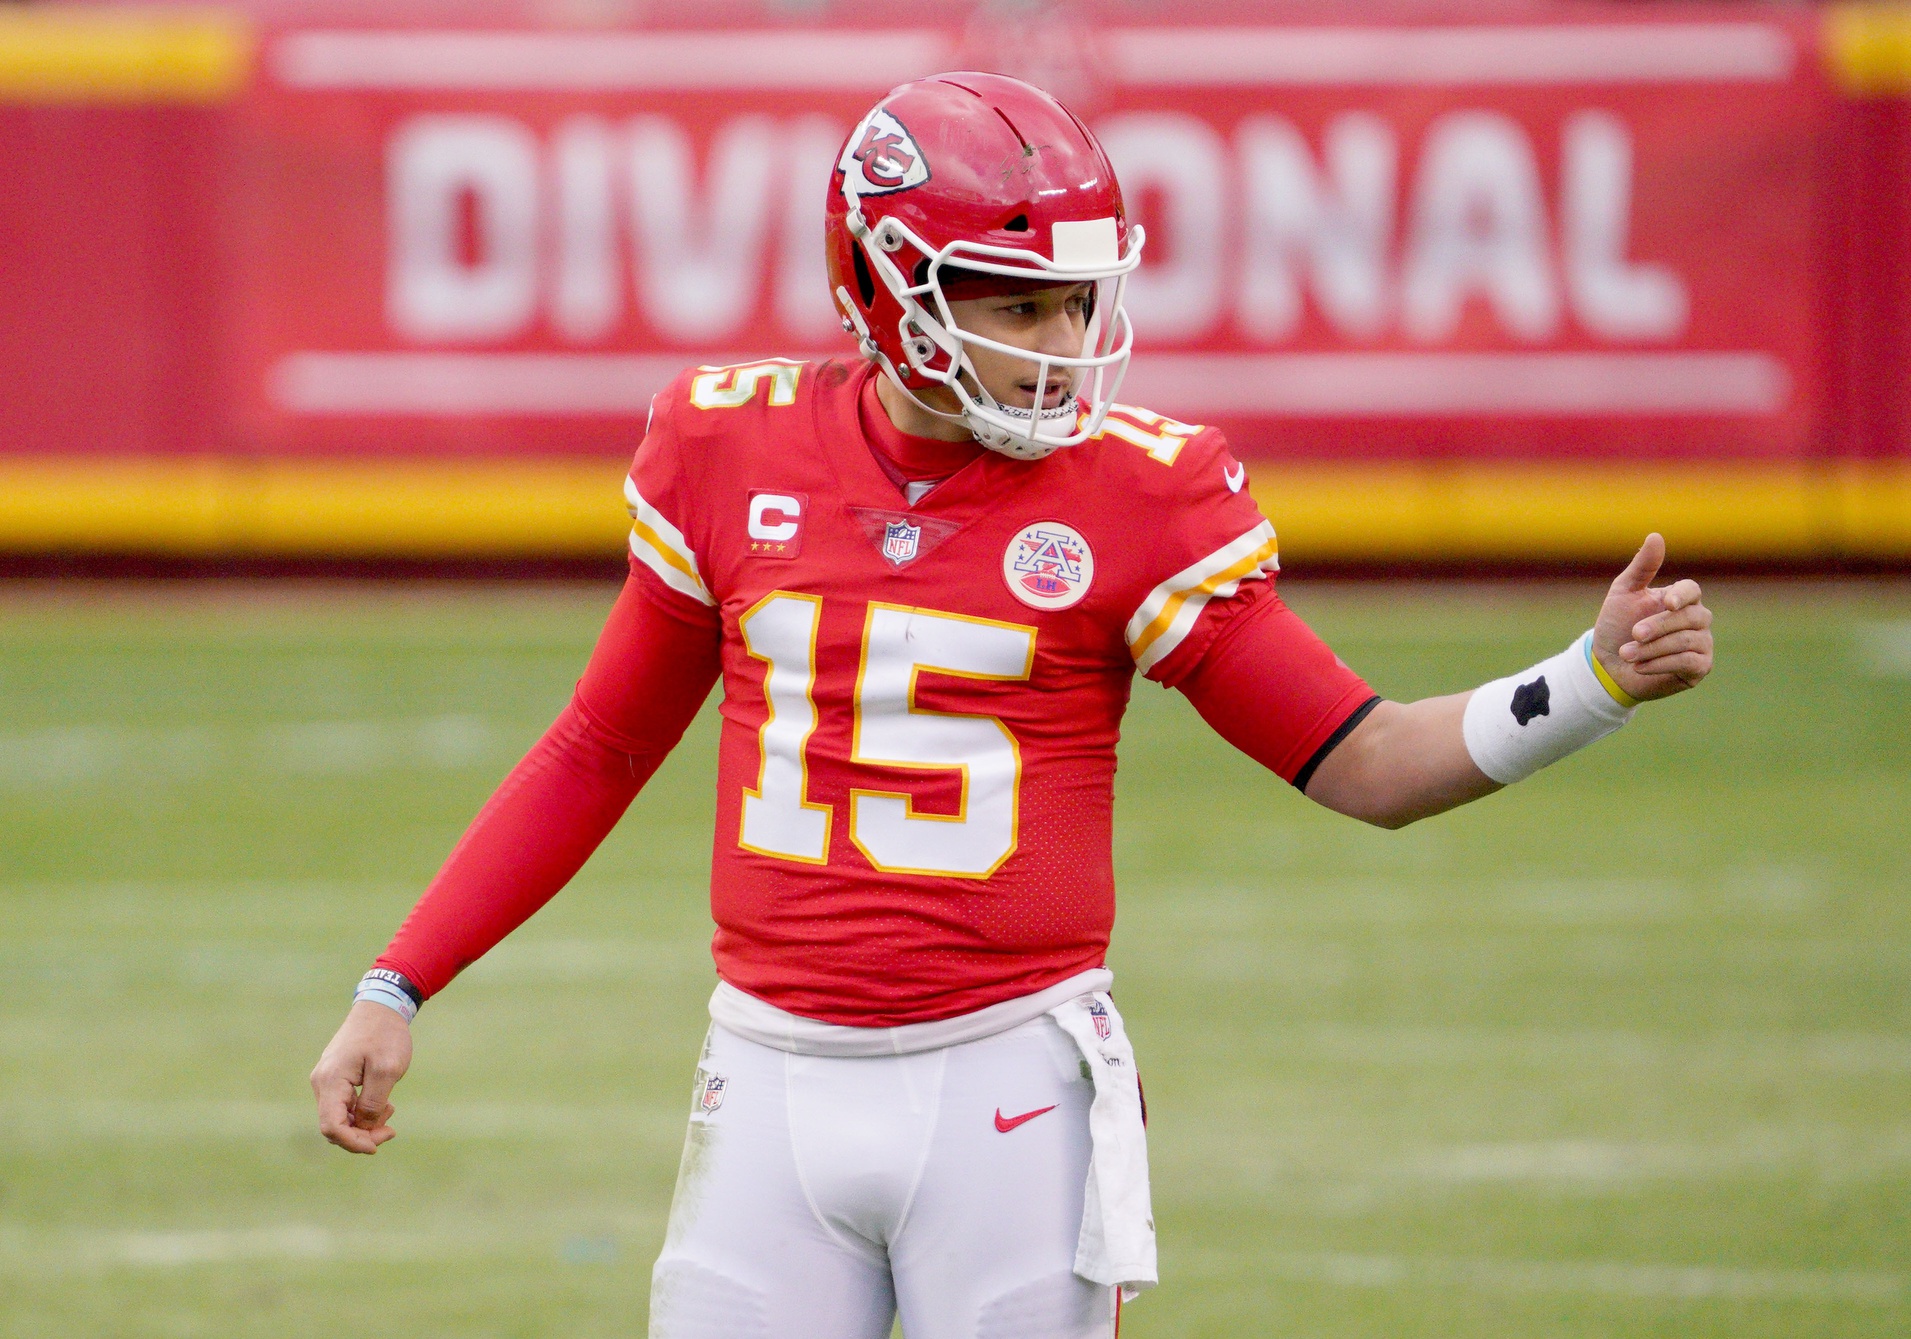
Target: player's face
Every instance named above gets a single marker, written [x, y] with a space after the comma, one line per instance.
[1051, 319]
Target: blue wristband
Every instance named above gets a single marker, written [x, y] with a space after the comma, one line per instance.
[390, 989]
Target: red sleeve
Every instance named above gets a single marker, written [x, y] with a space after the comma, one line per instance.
[1207, 544]
[667, 527]
[651, 670]
[1272, 688]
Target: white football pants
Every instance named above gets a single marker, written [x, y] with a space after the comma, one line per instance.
[820, 1196]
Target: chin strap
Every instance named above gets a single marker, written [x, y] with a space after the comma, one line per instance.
[1031, 447]
[991, 435]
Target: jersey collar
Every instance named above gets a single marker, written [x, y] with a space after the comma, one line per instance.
[904, 455]
[846, 442]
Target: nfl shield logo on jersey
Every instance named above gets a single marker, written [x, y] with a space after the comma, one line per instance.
[710, 1094]
[1048, 566]
[1099, 1012]
[900, 540]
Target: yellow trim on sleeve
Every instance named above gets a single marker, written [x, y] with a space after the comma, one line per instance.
[1172, 609]
[665, 551]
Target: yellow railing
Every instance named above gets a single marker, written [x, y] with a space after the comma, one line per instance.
[1868, 48]
[1365, 511]
[122, 56]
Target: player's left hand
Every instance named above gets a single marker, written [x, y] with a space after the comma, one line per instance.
[1654, 641]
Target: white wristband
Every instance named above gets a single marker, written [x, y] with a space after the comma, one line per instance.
[386, 988]
[1517, 725]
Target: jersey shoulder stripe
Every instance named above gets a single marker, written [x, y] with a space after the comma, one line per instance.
[1168, 614]
[661, 547]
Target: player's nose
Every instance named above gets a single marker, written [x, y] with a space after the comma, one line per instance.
[1060, 334]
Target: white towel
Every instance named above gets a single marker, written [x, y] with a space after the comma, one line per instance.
[1117, 1244]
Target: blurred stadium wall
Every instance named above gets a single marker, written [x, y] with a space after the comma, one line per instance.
[1500, 281]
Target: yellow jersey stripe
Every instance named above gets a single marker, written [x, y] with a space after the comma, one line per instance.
[1169, 613]
[1200, 594]
[669, 555]
[1193, 575]
[661, 547]
[668, 569]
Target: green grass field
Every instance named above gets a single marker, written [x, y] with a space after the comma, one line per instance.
[1625, 1051]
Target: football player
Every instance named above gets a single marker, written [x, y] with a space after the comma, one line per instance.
[926, 578]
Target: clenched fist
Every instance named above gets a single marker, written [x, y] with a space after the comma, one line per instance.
[354, 1077]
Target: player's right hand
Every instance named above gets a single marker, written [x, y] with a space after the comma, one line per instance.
[354, 1077]
[1653, 640]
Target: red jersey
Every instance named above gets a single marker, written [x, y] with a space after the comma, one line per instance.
[921, 703]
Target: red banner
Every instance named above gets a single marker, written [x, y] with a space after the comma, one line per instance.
[1511, 239]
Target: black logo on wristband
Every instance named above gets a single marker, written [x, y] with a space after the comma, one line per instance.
[1532, 699]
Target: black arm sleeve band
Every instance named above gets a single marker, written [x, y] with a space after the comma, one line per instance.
[1332, 742]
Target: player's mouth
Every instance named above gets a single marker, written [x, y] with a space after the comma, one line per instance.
[1054, 393]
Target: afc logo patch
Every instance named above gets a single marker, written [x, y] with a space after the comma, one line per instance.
[710, 1091]
[1048, 566]
[776, 523]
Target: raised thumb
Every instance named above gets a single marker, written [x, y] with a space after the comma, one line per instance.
[1644, 565]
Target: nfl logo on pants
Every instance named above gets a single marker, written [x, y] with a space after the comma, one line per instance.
[899, 541]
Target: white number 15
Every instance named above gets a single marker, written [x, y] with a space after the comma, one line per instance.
[889, 730]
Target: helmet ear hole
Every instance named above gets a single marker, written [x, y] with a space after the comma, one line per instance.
[865, 281]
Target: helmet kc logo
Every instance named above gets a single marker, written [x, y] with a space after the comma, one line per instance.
[882, 157]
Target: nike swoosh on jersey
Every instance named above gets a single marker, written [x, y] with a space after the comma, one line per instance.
[1235, 477]
[1007, 1123]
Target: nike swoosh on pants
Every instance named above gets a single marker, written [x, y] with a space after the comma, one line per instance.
[1007, 1123]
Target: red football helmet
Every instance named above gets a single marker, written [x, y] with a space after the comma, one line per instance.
[987, 176]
